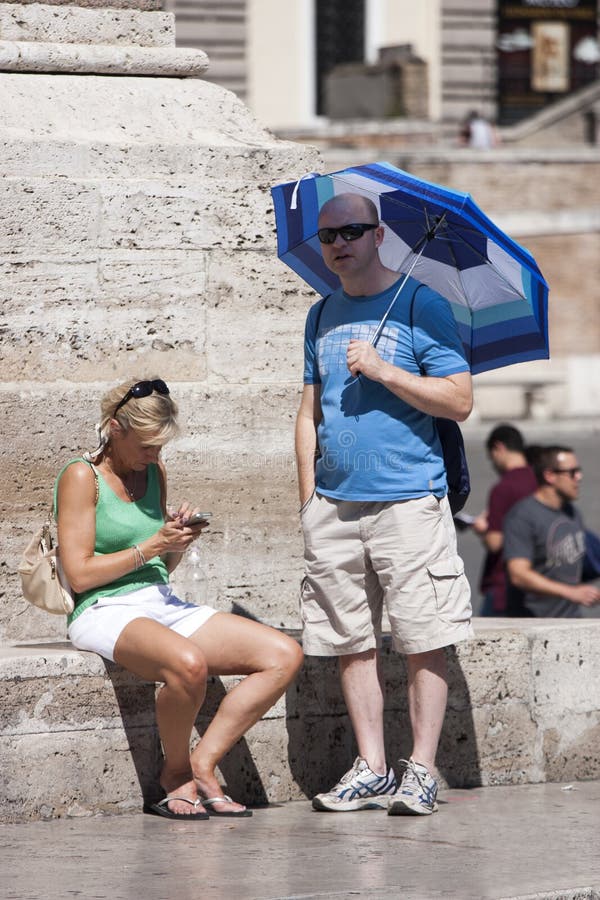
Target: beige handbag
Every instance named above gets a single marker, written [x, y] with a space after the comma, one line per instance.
[43, 580]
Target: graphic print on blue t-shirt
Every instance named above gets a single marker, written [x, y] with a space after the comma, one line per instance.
[333, 343]
[373, 445]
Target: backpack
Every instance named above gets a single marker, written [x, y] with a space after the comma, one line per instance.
[451, 440]
[453, 449]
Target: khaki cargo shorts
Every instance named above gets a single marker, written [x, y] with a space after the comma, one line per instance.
[360, 556]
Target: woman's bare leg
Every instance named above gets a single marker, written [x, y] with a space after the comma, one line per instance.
[156, 653]
[270, 660]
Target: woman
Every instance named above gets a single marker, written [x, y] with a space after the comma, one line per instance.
[118, 546]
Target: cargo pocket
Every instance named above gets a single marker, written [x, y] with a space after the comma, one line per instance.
[447, 579]
[311, 610]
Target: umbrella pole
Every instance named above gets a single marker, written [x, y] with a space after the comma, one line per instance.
[386, 314]
[384, 318]
[429, 236]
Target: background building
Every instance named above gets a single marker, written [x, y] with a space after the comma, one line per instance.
[506, 58]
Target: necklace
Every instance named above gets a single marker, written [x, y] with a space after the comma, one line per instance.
[131, 491]
[131, 476]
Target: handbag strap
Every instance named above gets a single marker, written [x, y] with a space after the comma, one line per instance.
[97, 492]
[51, 517]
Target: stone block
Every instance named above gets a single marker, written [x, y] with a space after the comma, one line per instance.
[77, 25]
[570, 747]
[95, 4]
[75, 774]
[132, 337]
[500, 664]
[50, 215]
[174, 215]
[563, 671]
[136, 278]
[34, 287]
[508, 746]
[271, 352]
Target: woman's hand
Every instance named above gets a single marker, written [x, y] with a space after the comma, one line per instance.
[184, 514]
[175, 537]
[178, 534]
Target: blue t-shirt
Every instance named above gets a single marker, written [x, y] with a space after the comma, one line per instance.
[373, 445]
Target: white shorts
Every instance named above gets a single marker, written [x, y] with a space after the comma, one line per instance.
[99, 626]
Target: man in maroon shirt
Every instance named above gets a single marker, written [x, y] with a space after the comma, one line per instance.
[506, 450]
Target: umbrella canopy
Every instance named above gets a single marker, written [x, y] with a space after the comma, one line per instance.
[496, 290]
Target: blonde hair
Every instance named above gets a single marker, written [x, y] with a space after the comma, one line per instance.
[152, 418]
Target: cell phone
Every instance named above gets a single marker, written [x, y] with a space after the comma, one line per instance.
[463, 521]
[199, 518]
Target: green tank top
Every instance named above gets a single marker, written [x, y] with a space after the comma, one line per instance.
[121, 524]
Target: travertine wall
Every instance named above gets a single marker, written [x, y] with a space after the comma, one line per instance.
[138, 238]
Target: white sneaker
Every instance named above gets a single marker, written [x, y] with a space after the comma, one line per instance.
[359, 788]
[417, 793]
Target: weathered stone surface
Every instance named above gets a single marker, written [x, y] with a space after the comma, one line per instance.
[572, 747]
[563, 667]
[76, 774]
[93, 4]
[43, 22]
[102, 59]
[88, 727]
[502, 666]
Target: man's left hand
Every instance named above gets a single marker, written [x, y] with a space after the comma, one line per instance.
[363, 359]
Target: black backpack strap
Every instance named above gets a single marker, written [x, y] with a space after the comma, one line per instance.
[452, 443]
[318, 318]
[320, 313]
[411, 325]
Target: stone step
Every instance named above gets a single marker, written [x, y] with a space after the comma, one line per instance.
[69, 24]
[102, 59]
[78, 737]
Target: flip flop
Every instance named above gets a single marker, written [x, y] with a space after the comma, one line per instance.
[233, 814]
[161, 809]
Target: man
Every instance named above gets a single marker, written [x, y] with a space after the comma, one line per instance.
[376, 521]
[506, 450]
[544, 540]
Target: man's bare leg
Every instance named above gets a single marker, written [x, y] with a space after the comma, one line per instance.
[361, 678]
[427, 698]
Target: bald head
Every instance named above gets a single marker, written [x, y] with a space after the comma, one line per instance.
[349, 208]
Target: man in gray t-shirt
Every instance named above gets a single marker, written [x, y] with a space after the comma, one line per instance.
[544, 540]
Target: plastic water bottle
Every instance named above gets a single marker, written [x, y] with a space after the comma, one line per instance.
[194, 583]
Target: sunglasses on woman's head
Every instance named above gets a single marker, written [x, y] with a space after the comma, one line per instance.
[348, 232]
[143, 389]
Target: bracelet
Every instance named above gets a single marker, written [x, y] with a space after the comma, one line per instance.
[140, 559]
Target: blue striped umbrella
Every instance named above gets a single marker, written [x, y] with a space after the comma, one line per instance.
[497, 293]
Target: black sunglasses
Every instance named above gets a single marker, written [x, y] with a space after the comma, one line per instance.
[348, 232]
[576, 470]
[143, 389]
